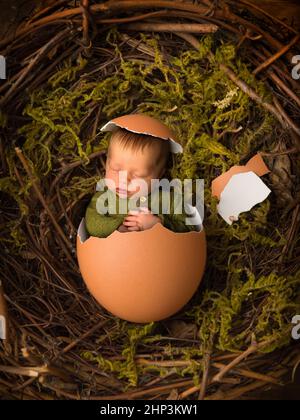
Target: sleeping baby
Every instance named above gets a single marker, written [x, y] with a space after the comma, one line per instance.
[131, 203]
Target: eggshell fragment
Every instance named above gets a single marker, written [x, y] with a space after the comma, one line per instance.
[144, 124]
[142, 276]
[234, 201]
[255, 164]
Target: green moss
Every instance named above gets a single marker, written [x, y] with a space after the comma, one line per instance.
[126, 368]
[222, 314]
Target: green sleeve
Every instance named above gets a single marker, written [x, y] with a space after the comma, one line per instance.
[176, 222]
[100, 225]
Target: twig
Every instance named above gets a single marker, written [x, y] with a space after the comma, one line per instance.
[265, 13]
[77, 340]
[73, 50]
[252, 349]
[87, 43]
[248, 35]
[144, 392]
[294, 150]
[65, 214]
[291, 233]
[46, 10]
[284, 116]
[24, 385]
[284, 87]
[41, 198]
[195, 28]
[275, 57]
[249, 374]
[105, 7]
[205, 378]
[68, 167]
[41, 54]
[240, 391]
[189, 38]
[135, 18]
[34, 371]
[284, 75]
[241, 372]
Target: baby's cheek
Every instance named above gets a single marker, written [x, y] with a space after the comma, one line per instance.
[111, 181]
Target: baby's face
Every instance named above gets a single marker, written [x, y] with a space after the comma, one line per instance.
[126, 167]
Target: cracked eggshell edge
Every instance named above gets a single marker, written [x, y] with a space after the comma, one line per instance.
[144, 124]
[180, 256]
[193, 212]
[256, 164]
[249, 181]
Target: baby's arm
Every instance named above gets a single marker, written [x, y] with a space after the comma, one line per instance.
[100, 225]
[177, 223]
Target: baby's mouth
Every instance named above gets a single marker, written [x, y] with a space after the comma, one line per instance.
[124, 193]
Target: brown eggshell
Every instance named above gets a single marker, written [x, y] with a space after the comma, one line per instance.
[142, 276]
[144, 124]
[255, 164]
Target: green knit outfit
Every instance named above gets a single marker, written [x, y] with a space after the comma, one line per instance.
[102, 225]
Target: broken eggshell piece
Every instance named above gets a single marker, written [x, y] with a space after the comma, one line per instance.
[144, 124]
[240, 188]
[255, 164]
[142, 276]
[234, 200]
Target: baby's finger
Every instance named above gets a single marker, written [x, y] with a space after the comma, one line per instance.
[133, 212]
[130, 218]
[134, 228]
[145, 210]
[122, 228]
[128, 223]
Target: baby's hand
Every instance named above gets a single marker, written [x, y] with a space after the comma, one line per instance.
[140, 220]
[122, 229]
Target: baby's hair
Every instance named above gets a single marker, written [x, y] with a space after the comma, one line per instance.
[137, 142]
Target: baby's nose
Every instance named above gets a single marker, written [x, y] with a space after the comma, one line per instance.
[130, 178]
[124, 180]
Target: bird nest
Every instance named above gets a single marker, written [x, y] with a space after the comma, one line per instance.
[221, 75]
